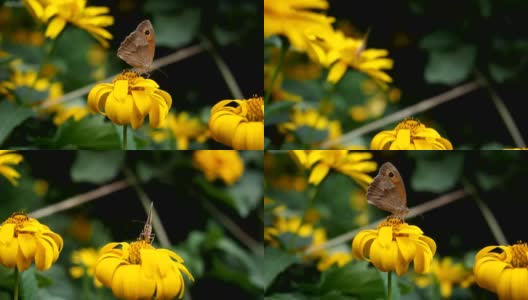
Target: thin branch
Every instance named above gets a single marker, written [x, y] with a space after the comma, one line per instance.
[224, 69]
[404, 113]
[503, 112]
[161, 233]
[415, 211]
[79, 199]
[234, 229]
[158, 63]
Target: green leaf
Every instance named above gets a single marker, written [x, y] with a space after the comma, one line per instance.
[176, 31]
[28, 284]
[439, 40]
[278, 112]
[489, 181]
[437, 175]
[10, 117]
[89, 133]
[353, 279]
[96, 167]
[450, 67]
[501, 73]
[247, 192]
[308, 135]
[276, 262]
[145, 171]
[285, 297]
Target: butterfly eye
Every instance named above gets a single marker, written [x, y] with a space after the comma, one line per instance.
[147, 32]
[391, 174]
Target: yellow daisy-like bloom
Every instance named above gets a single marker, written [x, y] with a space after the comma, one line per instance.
[340, 258]
[277, 93]
[311, 118]
[63, 113]
[8, 158]
[292, 225]
[503, 270]
[84, 261]
[140, 271]
[447, 274]
[410, 134]
[28, 79]
[238, 124]
[353, 164]
[394, 245]
[292, 17]
[129, 99]
[219, 164]
[335, 50]
[24, 240]
[91, 18]
[183, 128]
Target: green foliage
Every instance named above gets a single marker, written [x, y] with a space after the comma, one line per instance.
[96, 167]
[10, 117]
[276, 262]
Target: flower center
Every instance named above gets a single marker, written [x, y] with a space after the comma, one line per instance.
[411, 124]
[255, 109]
[520, 255]
[126, 75]
[393, 222]
[18, 219]
[134, 256]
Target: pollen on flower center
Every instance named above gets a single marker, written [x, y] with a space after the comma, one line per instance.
[18, 219]
[126, 75]
[519, 255]
[134, 256]
[255, 111]
[410, 124]
[393, 222]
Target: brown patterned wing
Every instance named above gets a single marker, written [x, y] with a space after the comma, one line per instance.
[138, 47]
[387, 191]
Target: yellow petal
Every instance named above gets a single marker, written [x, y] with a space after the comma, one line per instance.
[336, 72]
[319, 172]
[106, 266]
[55, 27]
[28, 245]
[519, 283]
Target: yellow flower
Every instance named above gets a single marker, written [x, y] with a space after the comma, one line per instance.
[129, 99]
[335, 50]
[353, 164]
[7, 158]
[63, 113]
[91, 18]
[394, 245]
[277, 92]
[24, 240]
[340, 258]
[239, 124]
[40, 187]
[292, 225]
[81, 228]
[447, 274]
[503, 270]
[140, 271]
[28, 79]
[410, 134]
[292, 17]
[84, 261]
[183, 127]
[24, 36]
[311, 118]
[223, 164]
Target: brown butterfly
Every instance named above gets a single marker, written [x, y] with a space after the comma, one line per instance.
[387, 191]
[146, 234]
[138, 47]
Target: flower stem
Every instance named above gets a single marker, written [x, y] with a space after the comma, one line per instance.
[312, 193]
[282, 53]
[389, 285]
[17, 277]
[125, 137]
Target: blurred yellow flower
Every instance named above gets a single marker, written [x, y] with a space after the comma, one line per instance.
[140, 271]
[292, 17]
[238, 124]
[447, 274]
[81, 228]
[354, 164]
[226, 165]
[503, 270]
[393, 246]
[84, 261]
[24, 240]
[339, 258]
[40, 187]
[410, 134]
[24, 36]
[28, 79]
[277, 93]
[63, 113]
[183, 128]
[8, 158]
[59, 13]
[338, 52]
[129, 99]
[311, 118]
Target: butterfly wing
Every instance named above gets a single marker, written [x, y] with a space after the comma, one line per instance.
[387, 190]
[138, 47]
